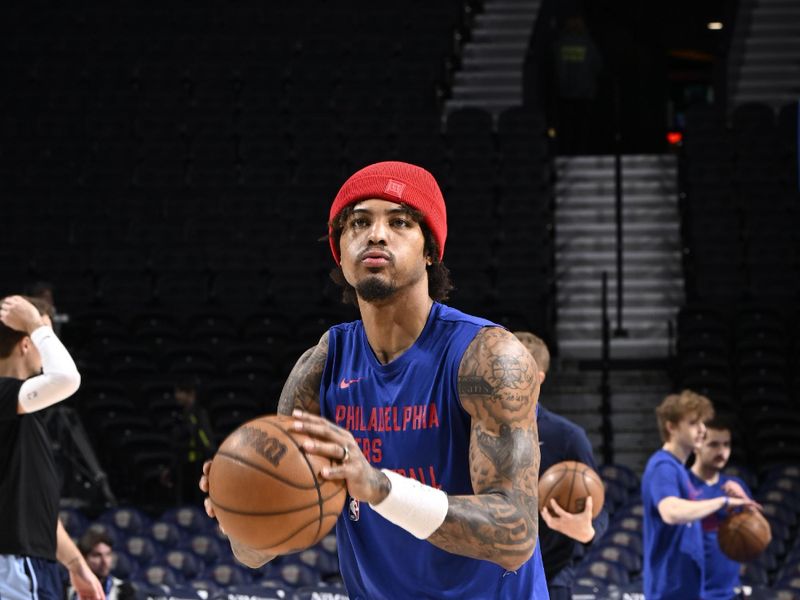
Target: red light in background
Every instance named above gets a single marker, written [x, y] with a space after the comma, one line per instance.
[674, 137]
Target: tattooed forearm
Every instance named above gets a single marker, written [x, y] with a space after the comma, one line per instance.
[497, 387]
[488, 527]
[301, 389]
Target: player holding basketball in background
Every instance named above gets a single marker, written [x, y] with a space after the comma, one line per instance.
[674, 562]
[710, 458]
[429, 411]
[563, 538]
[36, 371]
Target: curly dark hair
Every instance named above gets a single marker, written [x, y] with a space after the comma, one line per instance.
[439, 283]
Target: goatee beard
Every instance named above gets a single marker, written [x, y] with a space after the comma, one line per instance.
[372, 289]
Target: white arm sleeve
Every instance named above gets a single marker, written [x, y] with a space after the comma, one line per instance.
[59, 379]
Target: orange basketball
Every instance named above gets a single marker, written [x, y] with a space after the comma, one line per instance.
[267, 492]
[570, 483]
[744, 535]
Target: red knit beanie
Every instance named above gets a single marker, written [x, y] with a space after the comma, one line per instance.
[396, 182]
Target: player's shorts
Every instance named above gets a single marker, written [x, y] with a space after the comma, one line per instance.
[29, 578]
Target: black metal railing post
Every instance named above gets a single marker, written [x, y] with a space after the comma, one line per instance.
[618, 330]
[605, 386]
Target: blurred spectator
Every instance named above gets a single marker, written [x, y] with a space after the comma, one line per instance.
[193, 437]
[96, 548]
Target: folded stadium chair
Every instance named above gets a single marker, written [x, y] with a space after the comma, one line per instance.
[116, 536]
[294, 572]
[190, 519]
[624, 539]
[625, 557]
[590, 588]
[325, 563]
[185, 562]
[161, 574]
[166, 533]
[142, 549]
[620, 473]
[74, 521]
[123, 565]
[228, 574]
[753, 574]
[130, 521]
[206, 547]
[605, 571]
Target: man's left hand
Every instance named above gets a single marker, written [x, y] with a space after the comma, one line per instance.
[576, 526]
[85, 582]
[734, 490]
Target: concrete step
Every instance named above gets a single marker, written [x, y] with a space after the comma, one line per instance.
[475, 64]
[667, 299]
[568, 260]
[635, 315]
[493, 105]
[516, 37]
[508, 21]
[505, 92]
[605, 214]
[770, 27]
[636, 348]
[609, 188]
[568, 199]
[775, 72]
[607, 161]
[629, 272]
[609, 244]
[579, 285]
[496, 49]
[640, 171]
[599, 229]
[487, 79]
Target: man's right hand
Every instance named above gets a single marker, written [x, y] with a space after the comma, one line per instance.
[20, 315]
[204, 487]
[245, 555]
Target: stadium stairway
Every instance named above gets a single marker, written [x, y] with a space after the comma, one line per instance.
[764, 63]
[575, 394]
[585, 235]
[490, 76]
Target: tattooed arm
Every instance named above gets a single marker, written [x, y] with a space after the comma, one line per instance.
[498, 387]
[301, 389]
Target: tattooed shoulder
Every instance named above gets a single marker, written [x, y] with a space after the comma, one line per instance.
[301, 389]
[497, 372]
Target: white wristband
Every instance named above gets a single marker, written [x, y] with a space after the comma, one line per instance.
[417, 508]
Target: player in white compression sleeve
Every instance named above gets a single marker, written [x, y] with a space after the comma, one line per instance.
[38, 351]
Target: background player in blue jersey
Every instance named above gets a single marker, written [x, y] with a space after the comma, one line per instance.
[563, 538]
[710, 457]
[418, 392]
[674, 562]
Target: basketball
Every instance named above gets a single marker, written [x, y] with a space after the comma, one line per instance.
[744, 535]
[570, 483]
[267, 492]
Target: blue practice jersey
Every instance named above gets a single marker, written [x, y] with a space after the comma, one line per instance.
[673, 554]
[721, 573]
[407, 416]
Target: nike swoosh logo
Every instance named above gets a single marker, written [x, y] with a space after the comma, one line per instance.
[346, 383]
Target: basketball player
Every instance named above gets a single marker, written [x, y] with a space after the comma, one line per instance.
[36, 371]
[674, 563]
[428, 411]
[564, 537]
[710, 458]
